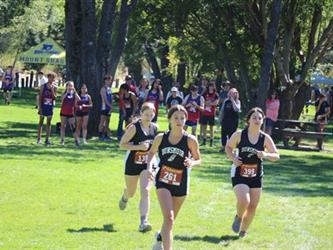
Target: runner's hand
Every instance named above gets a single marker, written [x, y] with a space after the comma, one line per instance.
[144, 146]
[237, 161]
[188, 162]
[261, 154]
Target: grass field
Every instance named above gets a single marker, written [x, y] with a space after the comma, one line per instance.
[67, 198]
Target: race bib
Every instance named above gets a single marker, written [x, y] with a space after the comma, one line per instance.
[248, 170]
[140, 157]
[171, 175]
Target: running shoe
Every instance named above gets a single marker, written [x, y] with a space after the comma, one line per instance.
[77, 143]
[48, 142]
[236, 224]
[158, 244]
[145, 227]
[242, 234]
[122, 203]
[62, 143]
[85, 141]
[39, 141]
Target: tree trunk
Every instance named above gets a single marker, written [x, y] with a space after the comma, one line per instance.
[73, 40]
[181, 72]
[166, 78]
[268, 54]
[151, 58]
[89, 58]
[104, 37]
[300, 99]
[125, 11]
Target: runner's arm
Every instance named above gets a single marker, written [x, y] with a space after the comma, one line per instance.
[231, 145]
[153, 150]
[272, 153]
[194, 149]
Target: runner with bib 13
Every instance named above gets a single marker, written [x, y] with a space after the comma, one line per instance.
[252, 146]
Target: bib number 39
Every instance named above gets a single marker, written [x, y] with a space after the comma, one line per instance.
[171, 176]
[248, 170]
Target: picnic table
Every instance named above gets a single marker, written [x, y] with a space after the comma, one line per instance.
[298, 129]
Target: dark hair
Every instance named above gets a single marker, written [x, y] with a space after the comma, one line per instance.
[106, 77]
[124, 86]
[273, 92]
[155, 81]
[80, 92]
[194, 87]
[176, 108]
[50, 75]
[40, 73]
[251, 111]
[207, 89]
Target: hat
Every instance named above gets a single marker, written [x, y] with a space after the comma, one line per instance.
[174, 89]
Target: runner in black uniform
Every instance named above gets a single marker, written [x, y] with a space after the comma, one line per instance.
[178, 152]
[137, 140]
[247, 168]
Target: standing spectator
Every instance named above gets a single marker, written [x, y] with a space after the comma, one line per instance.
[194, 103]
[127, 104]
[174, 98]
[155, 95]
[208, 115]
[322, 111]
[8, 84]
[315, 93]
[131, 84]
[69, 100]
[203, 86]
[48, 94]
[179, 93]
[229, 116]
[223, 93]
[272, 112]
[106, 109]
[82, 113]
[41, 79]
[142, 92]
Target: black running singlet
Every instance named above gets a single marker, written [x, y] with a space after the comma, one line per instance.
[252, 165]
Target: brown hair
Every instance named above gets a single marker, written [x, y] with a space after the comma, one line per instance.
[251, 111]
[176, 108]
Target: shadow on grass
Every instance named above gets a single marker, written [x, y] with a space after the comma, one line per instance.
[224, 240]
[108, 228]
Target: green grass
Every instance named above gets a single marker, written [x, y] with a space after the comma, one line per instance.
[67, 198]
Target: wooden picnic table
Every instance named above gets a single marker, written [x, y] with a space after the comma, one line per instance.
[299, 129]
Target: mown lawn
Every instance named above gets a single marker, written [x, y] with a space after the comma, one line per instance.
[67, 198]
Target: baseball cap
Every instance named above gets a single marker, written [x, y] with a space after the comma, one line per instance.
[174, 89]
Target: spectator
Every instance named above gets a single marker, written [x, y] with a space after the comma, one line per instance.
[179, 93]
[223, 93]
[82, 113]
[194, 103]
[203, 86]
[229, 116]
[130, 82]
[8, 84]
[106, 109]
[48, 94]
[272, 112]
[69, 100]
[142, 91]
[208, 115]
[322, 111]
[155, 95]
[174, 98]
[41, 79]
[127, 104]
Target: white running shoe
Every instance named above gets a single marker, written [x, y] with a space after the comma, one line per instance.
[122, 203]
[158, 244]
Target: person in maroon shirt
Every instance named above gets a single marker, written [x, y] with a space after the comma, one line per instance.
[68, 102]
[208, 115]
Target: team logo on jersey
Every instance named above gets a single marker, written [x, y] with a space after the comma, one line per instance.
[172, 157]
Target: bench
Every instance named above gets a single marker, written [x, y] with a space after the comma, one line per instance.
[298, 134]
